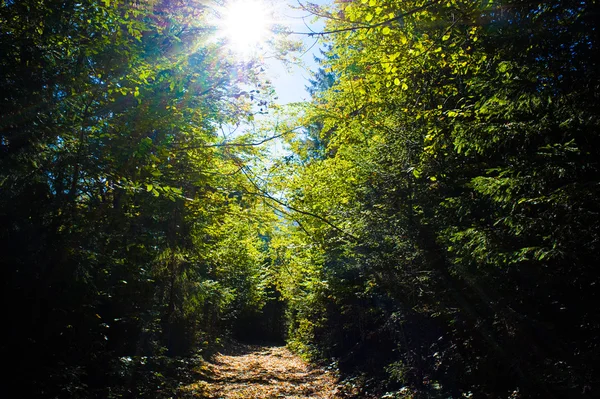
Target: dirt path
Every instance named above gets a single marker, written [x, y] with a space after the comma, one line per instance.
[261, 372]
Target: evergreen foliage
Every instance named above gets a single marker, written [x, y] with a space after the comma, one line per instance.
[459, 187]
[124, 230]
[434, 227]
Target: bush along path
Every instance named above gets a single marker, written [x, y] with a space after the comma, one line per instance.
[246, 371]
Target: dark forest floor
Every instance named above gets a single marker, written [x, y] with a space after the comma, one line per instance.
[260, 372]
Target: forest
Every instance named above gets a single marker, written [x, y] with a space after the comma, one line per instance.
[429, 229]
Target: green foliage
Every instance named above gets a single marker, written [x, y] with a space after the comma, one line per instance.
[454, 207]
[125, 232]
[434, 227]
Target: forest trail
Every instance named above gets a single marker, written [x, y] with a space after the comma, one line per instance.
[260, 372]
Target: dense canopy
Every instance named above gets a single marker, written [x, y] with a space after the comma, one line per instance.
[431, 226]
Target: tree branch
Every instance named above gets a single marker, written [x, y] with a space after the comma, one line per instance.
[288, 206]
[225, 144]
[362, 26]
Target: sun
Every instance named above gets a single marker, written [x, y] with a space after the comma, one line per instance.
[245, 24]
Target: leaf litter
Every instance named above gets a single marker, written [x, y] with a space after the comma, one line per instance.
[260, 372]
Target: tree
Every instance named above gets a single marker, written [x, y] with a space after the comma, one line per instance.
[461, 158]
[115, 190]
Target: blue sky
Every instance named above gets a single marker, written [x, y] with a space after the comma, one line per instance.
[290, 83]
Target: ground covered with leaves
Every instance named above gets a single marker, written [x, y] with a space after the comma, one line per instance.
[247, 371]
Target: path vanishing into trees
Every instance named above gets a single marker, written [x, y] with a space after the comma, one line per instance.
[250, 371]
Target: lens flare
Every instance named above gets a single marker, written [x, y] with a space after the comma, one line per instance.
[245, 24]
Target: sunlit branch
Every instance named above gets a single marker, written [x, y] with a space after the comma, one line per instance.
[251, 144]
[363, 26]
[265, 194]
[288, 214]
[235, 172]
